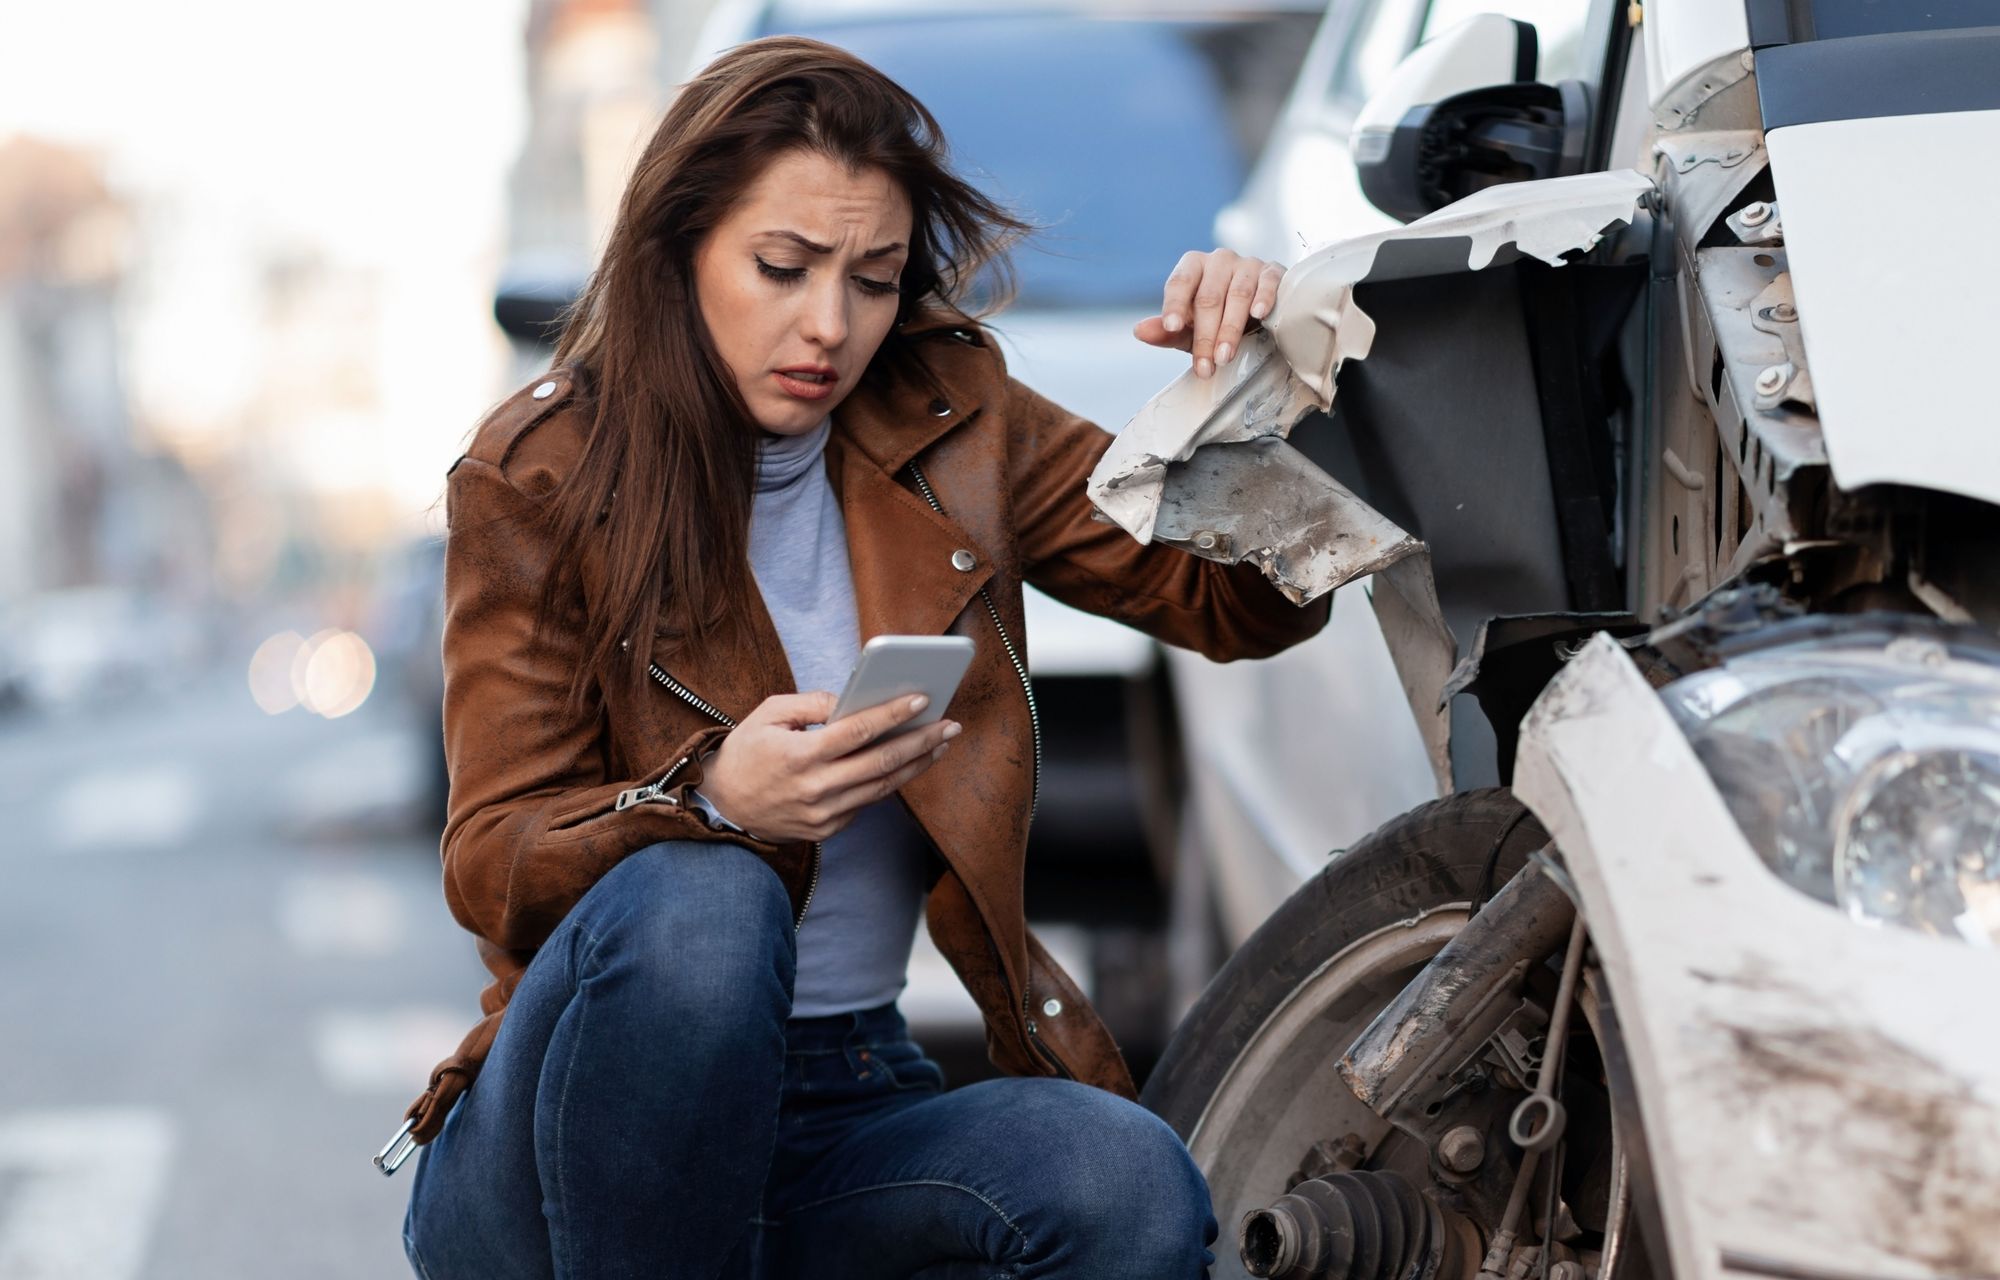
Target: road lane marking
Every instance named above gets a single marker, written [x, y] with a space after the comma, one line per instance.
[386, 1051]
[384, 770]
[87, 1185]
[347, 913]
[128, 808]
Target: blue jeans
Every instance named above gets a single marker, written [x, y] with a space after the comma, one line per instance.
[648, 1110]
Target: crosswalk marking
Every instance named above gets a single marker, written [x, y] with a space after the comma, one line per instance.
[86, 1185]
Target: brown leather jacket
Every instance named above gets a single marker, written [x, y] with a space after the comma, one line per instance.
[535, 813]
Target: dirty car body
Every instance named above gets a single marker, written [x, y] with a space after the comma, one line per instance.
[1671, 478]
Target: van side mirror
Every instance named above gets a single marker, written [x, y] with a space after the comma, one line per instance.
[1463, 112]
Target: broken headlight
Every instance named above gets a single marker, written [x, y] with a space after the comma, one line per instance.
[1864, 774]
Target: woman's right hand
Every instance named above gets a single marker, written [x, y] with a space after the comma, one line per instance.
[780, 781]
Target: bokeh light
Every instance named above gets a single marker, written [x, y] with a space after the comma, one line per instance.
[333, 673]
[271, 672]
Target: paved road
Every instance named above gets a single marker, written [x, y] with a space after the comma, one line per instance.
[225, 968]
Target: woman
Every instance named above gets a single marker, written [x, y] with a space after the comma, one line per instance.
[770, 432]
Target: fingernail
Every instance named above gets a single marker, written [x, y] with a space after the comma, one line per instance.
[939, 753]
[918, 703]
[1257, 310]
[1223, 352]
[1173, 322]
[951, 730]
[1203, 367]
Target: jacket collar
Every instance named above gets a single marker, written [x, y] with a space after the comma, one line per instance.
[906, 580]
[893, 421]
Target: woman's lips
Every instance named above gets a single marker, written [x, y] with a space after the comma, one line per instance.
[804, 384]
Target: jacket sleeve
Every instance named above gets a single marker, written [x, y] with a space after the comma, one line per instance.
[532, 821]
[1222, 611]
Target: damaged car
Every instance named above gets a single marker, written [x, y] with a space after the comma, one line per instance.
[1655, 441]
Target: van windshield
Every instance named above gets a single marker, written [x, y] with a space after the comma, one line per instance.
[1122, 136]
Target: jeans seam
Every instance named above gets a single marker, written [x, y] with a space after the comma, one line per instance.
[771, 1152]
[416, 1257]
[981, 1197]
[562, 1102]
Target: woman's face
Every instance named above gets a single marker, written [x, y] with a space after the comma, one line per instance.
[798, 284]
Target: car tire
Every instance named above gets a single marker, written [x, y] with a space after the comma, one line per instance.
[1430, 858]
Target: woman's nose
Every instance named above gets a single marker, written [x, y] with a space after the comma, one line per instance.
[825, 319]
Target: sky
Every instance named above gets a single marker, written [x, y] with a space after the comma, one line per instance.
[363, 124]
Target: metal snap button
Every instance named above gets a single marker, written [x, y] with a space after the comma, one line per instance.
[1051, 1006]
[544, 391]
[939, 409]
[963, 561]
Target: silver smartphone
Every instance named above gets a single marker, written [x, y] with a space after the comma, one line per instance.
[899, 666]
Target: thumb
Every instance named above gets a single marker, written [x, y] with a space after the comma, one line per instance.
[1153, 332]
[797, 710]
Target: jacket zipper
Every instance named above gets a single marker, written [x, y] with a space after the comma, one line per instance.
[653, 791]
[1034, 794]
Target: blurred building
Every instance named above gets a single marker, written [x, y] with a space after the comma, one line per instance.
[96, 531]
[80, 502]
[63, 431]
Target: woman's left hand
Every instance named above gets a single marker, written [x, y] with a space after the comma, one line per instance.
[1222, 293]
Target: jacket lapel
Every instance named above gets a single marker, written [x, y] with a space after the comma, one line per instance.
[906, 581]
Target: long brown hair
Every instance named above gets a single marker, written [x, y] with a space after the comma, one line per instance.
[662, 489]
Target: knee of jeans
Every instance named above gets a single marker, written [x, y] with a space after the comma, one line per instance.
[1127, 1182]
[705, 926]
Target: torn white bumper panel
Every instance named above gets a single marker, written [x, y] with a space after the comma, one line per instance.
[1291, 368]
[1817, 1095]
[1205, 466]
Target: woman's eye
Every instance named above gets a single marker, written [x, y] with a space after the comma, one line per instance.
[792, 275]
[785, 274]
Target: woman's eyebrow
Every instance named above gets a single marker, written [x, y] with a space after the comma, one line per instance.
[815, 247]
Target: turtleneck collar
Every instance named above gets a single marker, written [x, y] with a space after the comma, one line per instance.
[781, 460]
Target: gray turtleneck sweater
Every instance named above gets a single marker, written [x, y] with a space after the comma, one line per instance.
[854, 948]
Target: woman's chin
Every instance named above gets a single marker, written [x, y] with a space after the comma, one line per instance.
[795, 417]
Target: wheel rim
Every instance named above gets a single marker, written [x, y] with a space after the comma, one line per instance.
[1283, 1093]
